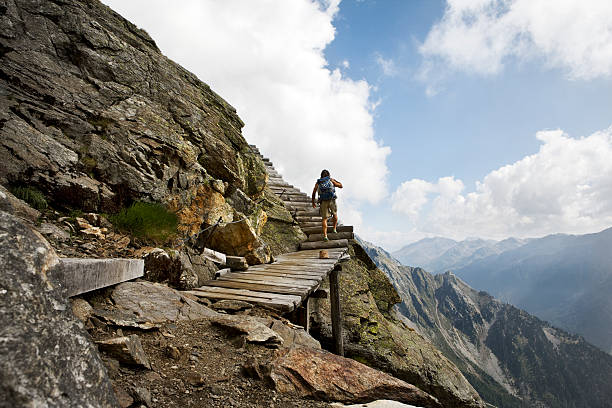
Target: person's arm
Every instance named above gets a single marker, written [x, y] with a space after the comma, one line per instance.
[314, 192]
[336, 183]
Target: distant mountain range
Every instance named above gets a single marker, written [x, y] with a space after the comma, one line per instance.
[512, 358]
[563, 279]
[438, 255]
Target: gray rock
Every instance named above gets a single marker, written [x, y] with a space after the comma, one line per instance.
[54, 232]
[47, 358]
[142, 395]
[81, 309]
[232, 305]
[126, 349]
[157, 303]
[236, 263]
[173, 267]
[294, 335]
[13, 205]
[253, 330]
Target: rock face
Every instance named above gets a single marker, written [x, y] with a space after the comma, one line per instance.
[321, 375]
[374, 335]
[512, 358]
[47, 358]
[94, 116]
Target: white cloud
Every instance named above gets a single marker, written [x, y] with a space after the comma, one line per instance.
[387, 65]
[565, 187]
[481, 35]
[266, 59]
[346, 64]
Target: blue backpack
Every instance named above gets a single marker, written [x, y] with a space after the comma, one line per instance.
[327, 191]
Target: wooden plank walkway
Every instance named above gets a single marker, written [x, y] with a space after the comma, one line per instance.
[282, 285]
[289, 281]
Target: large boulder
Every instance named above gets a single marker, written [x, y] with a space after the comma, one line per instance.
[321, 375]
[47, 358]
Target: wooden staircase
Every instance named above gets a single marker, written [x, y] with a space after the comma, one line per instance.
[308, 218]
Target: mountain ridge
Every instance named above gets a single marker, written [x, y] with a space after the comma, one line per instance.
[513, 359]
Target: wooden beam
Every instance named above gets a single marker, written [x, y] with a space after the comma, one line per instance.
[81, 275]
[340, 243]
[336, 311]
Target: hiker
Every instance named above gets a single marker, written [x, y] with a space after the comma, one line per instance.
[326, 186]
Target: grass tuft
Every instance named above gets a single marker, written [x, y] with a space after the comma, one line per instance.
[32, 196]
[148, 221]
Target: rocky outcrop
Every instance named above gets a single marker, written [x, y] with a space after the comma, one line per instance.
[321, 375]
[95, 117]
[374, 335]
[47, 359]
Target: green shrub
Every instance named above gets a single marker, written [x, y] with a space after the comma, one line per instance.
[32, 196]
[148, 221]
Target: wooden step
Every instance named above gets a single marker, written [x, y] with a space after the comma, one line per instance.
[296, 199]
[280, 185]
[310, 212]
[286, 189]
[331, 235]
[310, 224]
[317, 229]
[308, 219]
[284, 303]
[338, 243]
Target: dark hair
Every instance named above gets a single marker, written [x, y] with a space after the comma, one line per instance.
[324, 173]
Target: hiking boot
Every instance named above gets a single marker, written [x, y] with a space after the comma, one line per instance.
[325, 238]
[334, 230]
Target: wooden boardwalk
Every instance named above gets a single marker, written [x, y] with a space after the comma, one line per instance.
[282, 285]
[287, 283]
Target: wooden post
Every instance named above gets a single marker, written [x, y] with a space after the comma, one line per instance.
[336, 312]
[302, 314]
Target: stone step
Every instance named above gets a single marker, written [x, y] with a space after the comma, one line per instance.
[331, 236]
[81, 275]
[317, 229]
[338, 243]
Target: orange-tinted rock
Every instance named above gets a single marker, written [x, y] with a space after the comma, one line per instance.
[324, 376]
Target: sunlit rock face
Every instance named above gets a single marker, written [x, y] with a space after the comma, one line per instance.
[94, 116]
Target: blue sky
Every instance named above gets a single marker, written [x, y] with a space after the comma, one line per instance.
[457, 118]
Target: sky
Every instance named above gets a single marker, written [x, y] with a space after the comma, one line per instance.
[454, 118]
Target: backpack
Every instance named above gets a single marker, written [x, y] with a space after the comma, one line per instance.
[327, 191]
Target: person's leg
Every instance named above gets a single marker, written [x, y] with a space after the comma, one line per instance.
[324, 228]
[334, 211]
[324, 215]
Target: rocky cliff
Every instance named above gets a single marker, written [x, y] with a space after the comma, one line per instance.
[511, 358]
[375, 335]
[95, 117]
